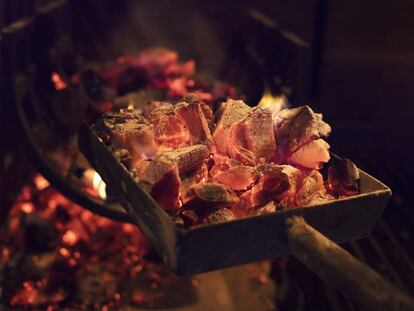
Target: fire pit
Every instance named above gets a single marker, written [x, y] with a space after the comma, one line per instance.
[51, 50]
[145, 151]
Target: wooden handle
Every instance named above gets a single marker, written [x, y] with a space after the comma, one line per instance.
[339, 268]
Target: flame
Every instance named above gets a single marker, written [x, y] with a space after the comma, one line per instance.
[130, 106]
[58, 81]
[275, 103]
[99, 185]
[93, 180]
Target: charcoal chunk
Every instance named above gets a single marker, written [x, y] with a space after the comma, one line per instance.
[343, 177]
[221, 215]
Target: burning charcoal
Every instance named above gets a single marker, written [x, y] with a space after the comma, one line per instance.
[295, 178]
[166, 191]
[229, 113]
[211, 195]
[155, 60]
[155, 110]
[169, 130]
[298, 132]
[186, 69]
[190, 99]
[311, 185]
[185, 159]
[343, 177]
[128, 129]
[132, 79]
[221, 215]
[267, 209]
[193, 116]
[276, 182]
[192, 178]
[312, 155]
[233, 174]
[253, 134]
[190, 218]
[40, 233]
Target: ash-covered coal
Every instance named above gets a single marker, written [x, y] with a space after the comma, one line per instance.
[197, 155]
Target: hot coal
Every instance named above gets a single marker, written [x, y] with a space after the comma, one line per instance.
[229, 113]
[221, 215]
[129, 130]
[232, 173]
[252, 138]
[194, 116]
[343, 177]
[298, 132]
[211, 195]
[55, 255]
[196, 151]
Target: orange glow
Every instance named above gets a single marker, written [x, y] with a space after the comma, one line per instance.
[5, 254]
[274, 103]
[64, 252]
[99, 185]
[195, 282]
[40, 182]
[27, 207]
[58, 82]
[92, 179]
[128, 228]
[70, 237]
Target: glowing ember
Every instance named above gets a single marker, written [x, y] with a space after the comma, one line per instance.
[40, 182]
[58, 81]
[27, 207]
[258, 159]
[100, 185]
[92, 180]
[274, 103]
[64, 252]
[86, 268]
[70, 237]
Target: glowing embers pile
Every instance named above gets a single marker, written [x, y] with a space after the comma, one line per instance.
[205, 155]
[55, 254]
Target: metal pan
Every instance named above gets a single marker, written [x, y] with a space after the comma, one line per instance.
[305, 233]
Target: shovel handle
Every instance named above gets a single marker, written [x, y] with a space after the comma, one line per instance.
[339, 268]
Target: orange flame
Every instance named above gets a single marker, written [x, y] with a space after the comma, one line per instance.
[92, 179]
[274, 103]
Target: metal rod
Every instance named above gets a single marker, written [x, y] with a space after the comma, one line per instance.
[335, 265]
